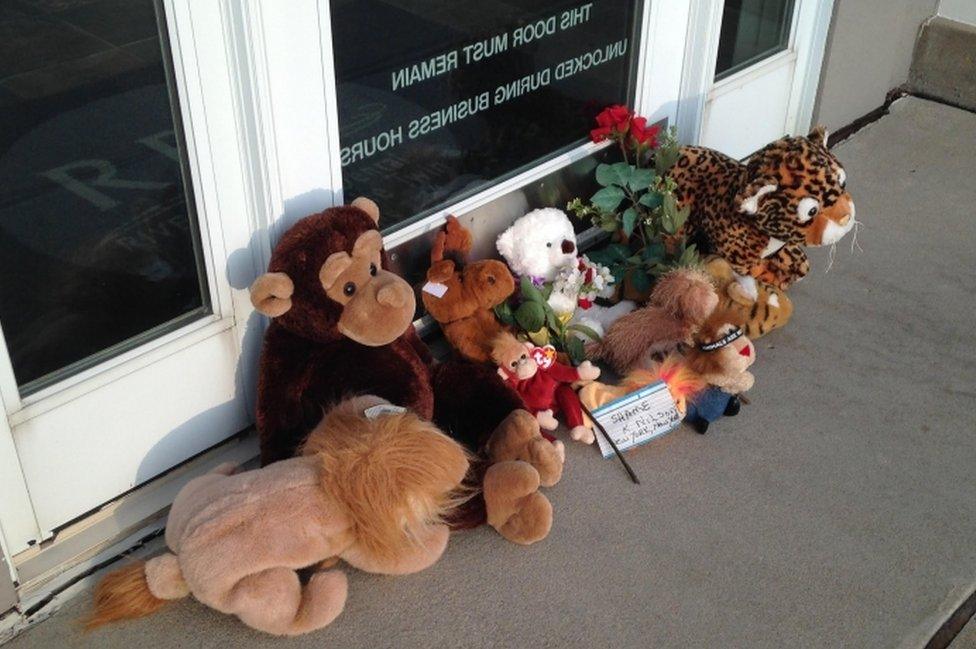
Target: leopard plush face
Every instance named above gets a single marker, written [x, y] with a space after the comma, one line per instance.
[796, 191]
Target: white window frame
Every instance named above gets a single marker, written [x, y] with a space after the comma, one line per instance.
[808, 39]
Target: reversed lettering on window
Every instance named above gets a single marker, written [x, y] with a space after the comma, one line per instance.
[455, 98]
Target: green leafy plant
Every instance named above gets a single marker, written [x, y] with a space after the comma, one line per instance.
[636, 203]
[534, 316]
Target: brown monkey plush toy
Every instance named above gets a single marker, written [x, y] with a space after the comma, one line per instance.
[342, 325]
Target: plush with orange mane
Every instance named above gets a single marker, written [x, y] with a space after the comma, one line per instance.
[720, 356]
[682, 382]
[544, 383]
[460, 296]
[371, 489]
[678, 305]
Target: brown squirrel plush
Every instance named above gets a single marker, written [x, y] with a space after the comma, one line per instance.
[679, 304]
[460, 296]
[235, 540]
[342, 325]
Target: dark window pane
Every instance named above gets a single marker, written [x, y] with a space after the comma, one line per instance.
[438, 100]
[751, 31]
[98, 248]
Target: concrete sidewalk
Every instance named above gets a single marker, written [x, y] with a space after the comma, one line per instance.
[837, 510]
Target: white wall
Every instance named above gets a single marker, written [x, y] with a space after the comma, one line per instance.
[869, 52]
[963, 11]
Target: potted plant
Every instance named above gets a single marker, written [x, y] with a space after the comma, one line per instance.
[636, 204]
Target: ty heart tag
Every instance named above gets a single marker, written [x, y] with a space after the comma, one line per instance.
[544, 357]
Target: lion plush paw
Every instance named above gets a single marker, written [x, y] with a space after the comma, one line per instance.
[515, 507]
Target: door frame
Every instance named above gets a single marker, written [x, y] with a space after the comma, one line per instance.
[808, 38]
[203, 39]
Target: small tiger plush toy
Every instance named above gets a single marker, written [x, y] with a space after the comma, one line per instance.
[760, 215]
[770, 310]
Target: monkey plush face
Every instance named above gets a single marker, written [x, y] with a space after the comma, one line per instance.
[513, 358]
[326, 280]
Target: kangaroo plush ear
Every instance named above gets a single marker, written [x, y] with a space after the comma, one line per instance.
[271, 294]
[747, 200]
[440, 271]
[819, 135]
[369, 206]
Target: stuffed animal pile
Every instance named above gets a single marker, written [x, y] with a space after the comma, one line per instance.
[371, 449]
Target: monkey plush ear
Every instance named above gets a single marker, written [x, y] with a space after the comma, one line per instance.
[369, 206]
[271, 294]
[818, 135]
[747, 200]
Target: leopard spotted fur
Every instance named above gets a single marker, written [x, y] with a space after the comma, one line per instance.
[759, 215]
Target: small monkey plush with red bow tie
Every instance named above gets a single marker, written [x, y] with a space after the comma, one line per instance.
[544, 384]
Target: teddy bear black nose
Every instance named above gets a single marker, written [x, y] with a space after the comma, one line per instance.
[568, 246]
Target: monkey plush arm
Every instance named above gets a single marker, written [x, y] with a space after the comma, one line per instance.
[567, 374]
[282, 383]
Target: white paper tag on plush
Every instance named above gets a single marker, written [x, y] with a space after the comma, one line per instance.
[374, 412]
[435, 288]
[637, 417]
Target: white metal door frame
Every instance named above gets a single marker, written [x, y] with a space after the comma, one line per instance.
[233, 233]
[808, 38]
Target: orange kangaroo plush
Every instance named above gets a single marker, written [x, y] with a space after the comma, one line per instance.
[460, 296]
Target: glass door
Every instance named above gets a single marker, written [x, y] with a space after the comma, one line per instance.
[752, 30]
[120, 348]
[99, 245]
[755, 75]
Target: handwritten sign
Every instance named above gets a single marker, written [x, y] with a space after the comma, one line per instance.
[637, 418]
[436, 100]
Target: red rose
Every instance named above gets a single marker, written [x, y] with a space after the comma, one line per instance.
[616, 118]
[619, 116]
[643, 134]
[600, 134]
[585, 303]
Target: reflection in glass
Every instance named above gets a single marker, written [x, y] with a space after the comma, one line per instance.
[98, 247]
[752, 30]
[438, 100]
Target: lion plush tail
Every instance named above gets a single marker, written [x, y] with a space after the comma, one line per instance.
[137, 590]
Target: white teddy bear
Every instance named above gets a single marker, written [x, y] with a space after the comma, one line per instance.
[539, 244]
[542, 246]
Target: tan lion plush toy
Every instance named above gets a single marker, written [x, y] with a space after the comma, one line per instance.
[371, 488]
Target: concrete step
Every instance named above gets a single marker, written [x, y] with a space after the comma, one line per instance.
[944, 63]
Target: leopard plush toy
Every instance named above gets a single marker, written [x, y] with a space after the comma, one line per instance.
[760, 215]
